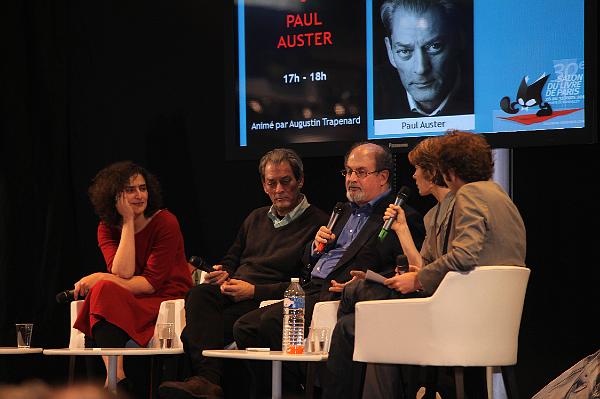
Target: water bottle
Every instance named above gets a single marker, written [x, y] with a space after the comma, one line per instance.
[293, 318]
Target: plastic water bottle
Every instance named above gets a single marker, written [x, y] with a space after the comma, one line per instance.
[293, 318]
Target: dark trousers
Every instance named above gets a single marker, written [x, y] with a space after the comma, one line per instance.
[137, 368]
[210, 316]
[339, 363]
[263, 327]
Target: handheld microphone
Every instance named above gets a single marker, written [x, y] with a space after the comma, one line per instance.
[67, 296]
[200, 263]
[401, 198]
[401, 264]
[337, 211]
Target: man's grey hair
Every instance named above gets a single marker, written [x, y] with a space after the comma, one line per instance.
[449, 7]
[279, 155]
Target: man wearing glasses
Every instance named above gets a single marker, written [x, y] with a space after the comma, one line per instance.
[351, 244]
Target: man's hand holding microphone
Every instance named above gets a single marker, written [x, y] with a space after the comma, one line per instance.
[325, 235]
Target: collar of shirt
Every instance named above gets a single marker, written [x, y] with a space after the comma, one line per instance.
[414, 106]
[290, 217]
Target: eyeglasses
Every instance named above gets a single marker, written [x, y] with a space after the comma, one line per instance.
[361, 174]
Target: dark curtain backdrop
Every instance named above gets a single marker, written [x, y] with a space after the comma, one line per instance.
[88, 83]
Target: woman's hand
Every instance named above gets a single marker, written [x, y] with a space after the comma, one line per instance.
[83, 286]
[123, 207]
[396, 213]
[404, 283]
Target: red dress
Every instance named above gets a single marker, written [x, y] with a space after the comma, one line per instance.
[160, 258]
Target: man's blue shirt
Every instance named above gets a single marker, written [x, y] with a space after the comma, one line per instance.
[355, 223]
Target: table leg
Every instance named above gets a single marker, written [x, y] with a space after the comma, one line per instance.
[276, 380]
[112, 373]
[153, 378]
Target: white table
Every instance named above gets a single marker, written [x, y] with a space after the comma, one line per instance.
[112, 354]
[13, 350]
[276, 357]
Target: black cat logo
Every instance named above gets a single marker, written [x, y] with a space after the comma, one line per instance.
[528, 96]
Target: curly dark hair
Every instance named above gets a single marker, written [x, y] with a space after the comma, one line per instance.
[425, 156]
[112, 180]
[468, 154]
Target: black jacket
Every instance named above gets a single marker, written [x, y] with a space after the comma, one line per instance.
[366, 251]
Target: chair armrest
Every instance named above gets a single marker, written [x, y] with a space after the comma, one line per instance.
[76, 338]
[269, 302]
[325, 315]
[170, 311]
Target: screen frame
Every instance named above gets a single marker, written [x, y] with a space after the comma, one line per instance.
[531, 138]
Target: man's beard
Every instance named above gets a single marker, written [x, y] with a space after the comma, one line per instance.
[355, 196]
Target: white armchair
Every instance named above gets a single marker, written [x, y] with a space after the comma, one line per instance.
[473, 319]
[170, 311]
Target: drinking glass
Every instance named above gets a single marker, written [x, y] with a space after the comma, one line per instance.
[318, 340]
[166, 333]
[24, 331]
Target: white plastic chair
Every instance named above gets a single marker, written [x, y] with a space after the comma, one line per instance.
[473, 319]
[170, 311]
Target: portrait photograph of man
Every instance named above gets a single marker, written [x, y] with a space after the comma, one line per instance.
[423, 58]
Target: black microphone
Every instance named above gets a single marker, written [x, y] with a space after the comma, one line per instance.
[401, 198]
[337, 211]
[67, 296]
[200, 263]
[401, 264]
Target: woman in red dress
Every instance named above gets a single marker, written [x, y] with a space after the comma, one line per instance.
[143, 248]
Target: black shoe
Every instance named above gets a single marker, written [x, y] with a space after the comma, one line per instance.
[192, 388]
[125, 388]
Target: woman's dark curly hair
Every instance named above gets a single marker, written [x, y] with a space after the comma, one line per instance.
[468, 154]
[111, 181]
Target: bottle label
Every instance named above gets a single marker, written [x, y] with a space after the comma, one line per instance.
[294, 302]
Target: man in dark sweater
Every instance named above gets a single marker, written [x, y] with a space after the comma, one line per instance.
[266, 253]
[352, 244]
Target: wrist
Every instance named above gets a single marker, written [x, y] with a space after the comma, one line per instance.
[127, 219]
[417, 286]
[400, 227]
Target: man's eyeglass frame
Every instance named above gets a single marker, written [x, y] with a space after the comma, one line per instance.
[361, 174]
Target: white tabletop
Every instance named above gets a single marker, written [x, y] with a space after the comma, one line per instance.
[259, 355]
[13, 350]
[113, 351]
